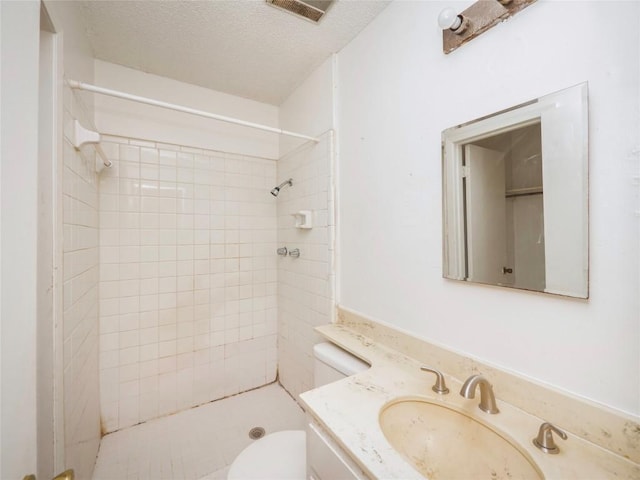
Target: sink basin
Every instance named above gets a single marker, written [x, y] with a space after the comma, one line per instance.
[443, 443]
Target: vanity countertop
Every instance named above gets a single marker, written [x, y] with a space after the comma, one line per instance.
[349, 409]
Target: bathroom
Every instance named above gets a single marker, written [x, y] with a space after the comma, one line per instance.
[378, 106]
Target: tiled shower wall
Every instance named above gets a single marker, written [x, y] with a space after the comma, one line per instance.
[187, 278]
[305, 284]
[80, 298]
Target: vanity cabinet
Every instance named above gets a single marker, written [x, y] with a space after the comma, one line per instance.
[326, 460]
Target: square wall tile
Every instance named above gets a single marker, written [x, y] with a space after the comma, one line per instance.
[180, 267]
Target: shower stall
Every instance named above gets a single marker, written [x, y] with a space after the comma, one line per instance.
[174, 293]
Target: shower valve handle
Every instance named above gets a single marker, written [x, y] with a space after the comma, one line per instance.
[282, 251]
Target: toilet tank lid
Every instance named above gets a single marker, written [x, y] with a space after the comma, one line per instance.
[339, 359]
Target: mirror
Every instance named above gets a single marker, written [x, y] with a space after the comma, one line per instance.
[515, 196]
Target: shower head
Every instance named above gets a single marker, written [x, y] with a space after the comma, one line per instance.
[275, 191]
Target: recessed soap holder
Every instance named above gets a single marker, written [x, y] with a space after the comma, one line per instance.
[303, 219]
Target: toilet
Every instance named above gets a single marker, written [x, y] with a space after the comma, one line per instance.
[282, 455]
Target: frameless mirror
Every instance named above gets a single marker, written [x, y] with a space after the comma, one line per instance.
[515, 196]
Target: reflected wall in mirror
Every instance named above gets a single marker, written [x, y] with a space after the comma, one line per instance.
[515, 196]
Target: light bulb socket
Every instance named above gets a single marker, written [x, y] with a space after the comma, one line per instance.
[462, 26]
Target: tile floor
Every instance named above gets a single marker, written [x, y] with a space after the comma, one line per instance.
[199, 443]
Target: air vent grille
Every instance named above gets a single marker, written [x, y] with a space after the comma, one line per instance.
[312, 10]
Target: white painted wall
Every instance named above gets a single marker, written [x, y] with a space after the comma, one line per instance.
[125, 118]
[19, 43]
[78, 55]
[398, 91]
[310, 107]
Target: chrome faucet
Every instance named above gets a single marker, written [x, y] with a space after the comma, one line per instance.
[544, 441]
[487, 398]
[439, 387]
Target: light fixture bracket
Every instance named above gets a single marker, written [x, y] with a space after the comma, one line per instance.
[480, 17]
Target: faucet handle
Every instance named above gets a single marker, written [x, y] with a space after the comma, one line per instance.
[439, 387]
[544, 441]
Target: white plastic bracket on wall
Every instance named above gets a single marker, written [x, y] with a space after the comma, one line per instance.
[83, 135]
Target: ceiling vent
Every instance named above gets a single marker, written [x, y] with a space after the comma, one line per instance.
[312, 10]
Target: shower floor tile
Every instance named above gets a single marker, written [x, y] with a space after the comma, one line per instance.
[196, 444]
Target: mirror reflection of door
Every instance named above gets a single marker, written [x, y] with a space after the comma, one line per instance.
[485, 214]
[544, 244]
[504, 209]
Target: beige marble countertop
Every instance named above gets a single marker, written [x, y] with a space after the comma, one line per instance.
[349, 411]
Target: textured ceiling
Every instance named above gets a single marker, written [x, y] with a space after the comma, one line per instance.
[242, 47]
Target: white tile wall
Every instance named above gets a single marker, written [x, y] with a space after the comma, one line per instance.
[187, 278]
[305, 284]
[80, 299]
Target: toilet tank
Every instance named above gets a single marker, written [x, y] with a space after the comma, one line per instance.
[331, 363]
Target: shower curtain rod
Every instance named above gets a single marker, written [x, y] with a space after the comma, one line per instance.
[179, 108]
